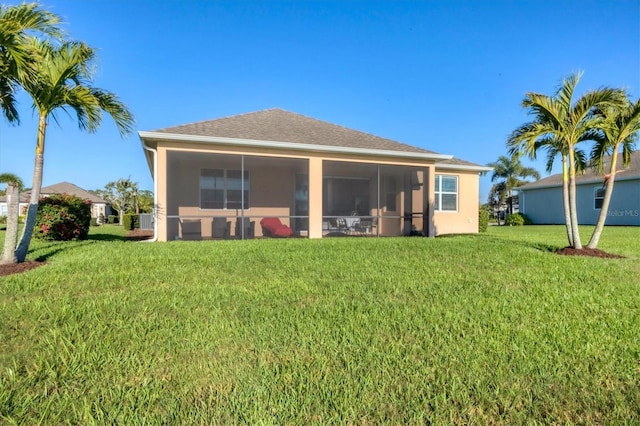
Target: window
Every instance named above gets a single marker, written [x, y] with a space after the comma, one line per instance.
[223, 189]
[446, 193]
[598, 198]
[390, 194]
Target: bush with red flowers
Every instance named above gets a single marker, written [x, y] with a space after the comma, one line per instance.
[63, 217]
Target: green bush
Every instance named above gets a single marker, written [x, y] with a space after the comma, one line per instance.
[101, 219]
[94, 221]
[131, 221]
[113, 219]
[3, 219]
[63, 217]
[483, 219]
[517, 219]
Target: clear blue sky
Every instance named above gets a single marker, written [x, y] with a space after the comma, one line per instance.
[447, 76]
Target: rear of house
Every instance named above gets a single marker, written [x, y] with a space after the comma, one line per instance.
[222, 178]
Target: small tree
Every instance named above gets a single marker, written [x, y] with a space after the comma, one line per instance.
[121, 194]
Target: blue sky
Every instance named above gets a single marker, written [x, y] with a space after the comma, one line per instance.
[447, 76]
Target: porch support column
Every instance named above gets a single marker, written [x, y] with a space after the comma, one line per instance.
[161, 207]
[429, 200]
[315, 197]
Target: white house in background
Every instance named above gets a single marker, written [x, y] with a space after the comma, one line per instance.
[541, 201]
[98, 205]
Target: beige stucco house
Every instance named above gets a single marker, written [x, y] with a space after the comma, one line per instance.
[221, 178]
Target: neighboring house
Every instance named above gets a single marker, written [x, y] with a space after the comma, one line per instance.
[220, 178]
[98, 205]
[541, 201]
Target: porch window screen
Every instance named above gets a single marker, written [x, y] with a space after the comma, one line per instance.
[598, 198]
[446, 193]
[222, 189]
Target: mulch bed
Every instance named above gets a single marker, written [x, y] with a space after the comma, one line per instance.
[139, 235]
[16, 268]
[570, 251]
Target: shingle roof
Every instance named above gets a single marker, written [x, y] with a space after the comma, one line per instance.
[590, 176]
[68, 188]
[277, 125]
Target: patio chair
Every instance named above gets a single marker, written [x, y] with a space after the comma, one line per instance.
[190, 229]
[272, 227]
[247, 224]
[220, 228]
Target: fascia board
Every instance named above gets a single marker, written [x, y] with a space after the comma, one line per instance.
[291, 145]
[584, 182]
[440, 166]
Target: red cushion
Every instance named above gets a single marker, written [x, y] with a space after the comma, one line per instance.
[275, 227]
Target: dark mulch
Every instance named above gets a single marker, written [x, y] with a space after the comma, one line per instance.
[139, 235]
[16, 268]
[570, 251]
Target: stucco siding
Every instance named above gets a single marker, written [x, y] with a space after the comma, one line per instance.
[465, 219]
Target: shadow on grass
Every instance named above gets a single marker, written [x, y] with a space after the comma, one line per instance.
[52, 248]
[105, 237]
[549, 248]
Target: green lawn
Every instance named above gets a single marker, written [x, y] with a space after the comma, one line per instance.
[484, 329]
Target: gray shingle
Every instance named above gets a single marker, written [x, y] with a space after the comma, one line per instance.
[590, 175]
[277, 125]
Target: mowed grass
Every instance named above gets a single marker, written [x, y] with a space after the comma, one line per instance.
[486, 329]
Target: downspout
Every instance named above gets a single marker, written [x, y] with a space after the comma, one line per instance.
[155, 191]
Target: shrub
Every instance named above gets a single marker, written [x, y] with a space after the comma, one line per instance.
[131, 221]
[94, 221]
[483, 219]
[101, 218]
[63, 217]
[3, 219]
[517, 219]
[113, 219]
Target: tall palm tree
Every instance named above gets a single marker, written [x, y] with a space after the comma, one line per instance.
[620, 131]
[511, 172]
[566, 123]
[14, 186]
[17, 59]
[64, 82]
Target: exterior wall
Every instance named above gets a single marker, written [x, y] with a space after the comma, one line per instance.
[544, 205]
[465, 220]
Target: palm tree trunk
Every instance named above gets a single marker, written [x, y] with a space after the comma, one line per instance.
[27, 232]
[565, 200]
[11, 235]
[573, 212]
[595, 237]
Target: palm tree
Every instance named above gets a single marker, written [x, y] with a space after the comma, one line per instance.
[620, 131]
[17, 59]
[64, 82]
[565, 123]
[511, 173]
[14, 186]
[554, 147]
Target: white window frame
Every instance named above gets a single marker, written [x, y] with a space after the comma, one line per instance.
[225, 189]
[439, 192]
